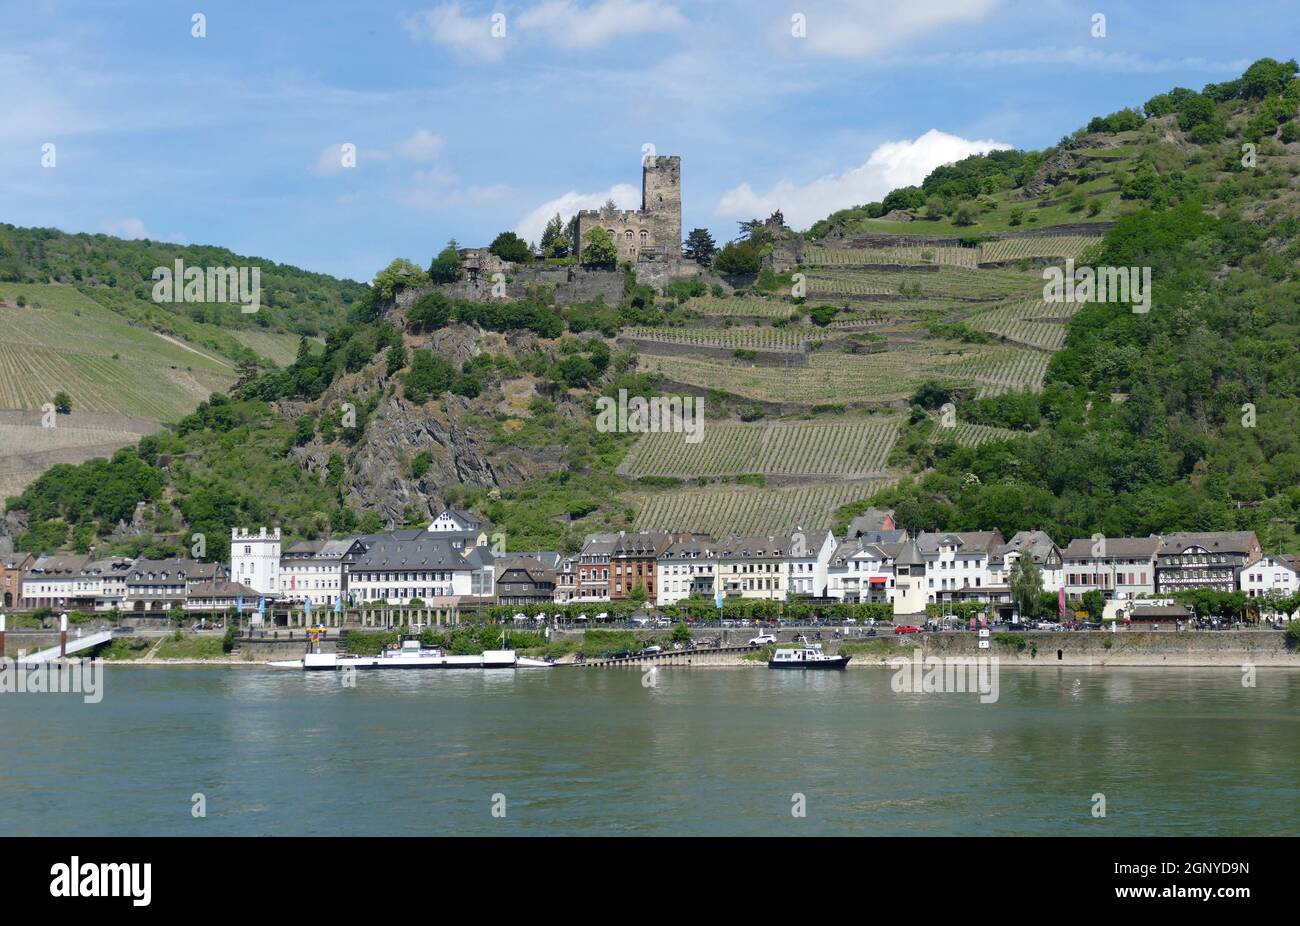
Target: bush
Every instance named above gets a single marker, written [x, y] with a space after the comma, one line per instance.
[738, 258]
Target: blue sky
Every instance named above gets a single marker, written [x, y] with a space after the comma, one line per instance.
[234, 138]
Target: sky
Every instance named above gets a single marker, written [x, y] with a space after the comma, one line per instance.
[338, 135]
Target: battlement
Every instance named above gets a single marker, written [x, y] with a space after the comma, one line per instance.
[239, 533]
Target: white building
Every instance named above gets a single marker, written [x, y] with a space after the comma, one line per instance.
[315, 569]
[1270, 577]
[808, 563]
[455, 521]
[403, 565]
[255, 559]
[1046, 555]
[106, 581]
[55, 581]
[861, 572]
[957, 565]
[688, 568]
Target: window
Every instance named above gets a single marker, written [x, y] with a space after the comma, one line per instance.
[628, 235]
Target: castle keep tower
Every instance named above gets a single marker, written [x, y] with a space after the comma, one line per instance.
[655, 231]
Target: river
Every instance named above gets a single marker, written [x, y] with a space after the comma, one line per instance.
[683, 752]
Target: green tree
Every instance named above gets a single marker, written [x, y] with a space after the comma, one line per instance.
[62, 403]
[446, 266]
[396, 358]
[555, 243]
[1026, 582]
[700, 247]
[432, 310]
[598, 249]
[429, 377]
[510, 247]
[738, 258]
[397, 276]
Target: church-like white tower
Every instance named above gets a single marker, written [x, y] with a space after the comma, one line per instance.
[255, 559]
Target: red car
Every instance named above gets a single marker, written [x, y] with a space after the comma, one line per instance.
[907, 628]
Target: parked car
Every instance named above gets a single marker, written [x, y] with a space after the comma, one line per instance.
[763, 639]
[621, 654]
[653, 650]
[907, 628]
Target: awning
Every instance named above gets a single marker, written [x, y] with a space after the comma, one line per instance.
[876, 580]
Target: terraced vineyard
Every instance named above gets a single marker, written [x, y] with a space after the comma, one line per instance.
[64, 341]
[836, 448]
[834, 257]
[948, 282]
[966, 434]
[1032, 322]
[1054, 246]
[995, 374]
[27, 449]
[847, 286]
[747, 307]
[889, 376]
[748, 338]
[748, 510]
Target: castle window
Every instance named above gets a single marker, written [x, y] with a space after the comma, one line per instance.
[644, 235]
[628, 234]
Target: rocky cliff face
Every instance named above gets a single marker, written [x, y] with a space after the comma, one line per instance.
[453, 430]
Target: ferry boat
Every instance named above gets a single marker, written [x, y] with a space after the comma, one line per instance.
[411, 655]
[806, 656]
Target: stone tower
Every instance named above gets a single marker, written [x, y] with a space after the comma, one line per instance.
[654, 232]
[661, 201]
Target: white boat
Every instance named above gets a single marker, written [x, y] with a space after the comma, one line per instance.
[806, 656]
[411, 655]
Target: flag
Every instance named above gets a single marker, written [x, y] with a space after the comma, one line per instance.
[239, 603]
[306, 604]
[1060, 602]
[338, 604]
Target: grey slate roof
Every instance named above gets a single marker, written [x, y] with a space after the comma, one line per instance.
[1038, 543]
[410, 550]
[967, 541]
[871, 521]
[1214, 541]
[60, 565]
[1123, 547]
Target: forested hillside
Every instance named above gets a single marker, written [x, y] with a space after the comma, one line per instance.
[118, 274]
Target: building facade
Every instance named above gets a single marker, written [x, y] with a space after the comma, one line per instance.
[12, 567]
[1118, 567]
[255, 559]
[1190, 561]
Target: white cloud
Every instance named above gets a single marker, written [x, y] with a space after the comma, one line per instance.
[891, 165]
[445, 25]
[571, 25]
[422, 146]
[126, 228]
[864, 28]
[531, 226]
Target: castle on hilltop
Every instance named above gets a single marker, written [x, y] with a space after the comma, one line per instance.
[653, 232]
